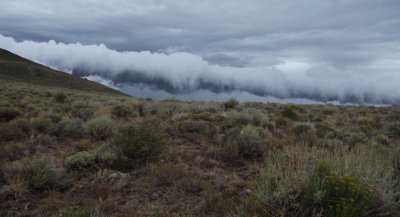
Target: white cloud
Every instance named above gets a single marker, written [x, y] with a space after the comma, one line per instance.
[101, 80]
[185, 73]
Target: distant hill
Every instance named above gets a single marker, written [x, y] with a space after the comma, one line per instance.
[16, 68]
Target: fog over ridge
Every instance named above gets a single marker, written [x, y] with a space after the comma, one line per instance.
[182, 72]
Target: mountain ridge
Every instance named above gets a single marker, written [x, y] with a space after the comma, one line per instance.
[16, 68]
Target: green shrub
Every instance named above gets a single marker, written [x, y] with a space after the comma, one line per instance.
[55, 118]
[100, 128]
[60, 97]
[103, 156]
[138, 144]
[334, 195]
[357, 138]
[231, 103]
[392, 130]
[290, 112]
[121, 111]
[7, 114]
[40, 124]
[67, 128]
[259, 118]
[243, 143]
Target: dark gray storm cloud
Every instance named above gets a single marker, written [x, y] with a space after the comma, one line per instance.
[342, 50]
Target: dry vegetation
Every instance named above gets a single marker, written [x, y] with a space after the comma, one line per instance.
[69, 153]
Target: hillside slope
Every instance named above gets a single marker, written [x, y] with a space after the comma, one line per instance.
[16, 68]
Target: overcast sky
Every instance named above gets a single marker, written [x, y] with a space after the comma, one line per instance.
[322, 50]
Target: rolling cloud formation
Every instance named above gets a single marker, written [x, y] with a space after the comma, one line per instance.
[183, 72]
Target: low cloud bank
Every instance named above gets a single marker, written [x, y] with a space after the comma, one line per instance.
[185, 73]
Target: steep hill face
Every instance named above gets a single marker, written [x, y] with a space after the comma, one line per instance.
[16, 68]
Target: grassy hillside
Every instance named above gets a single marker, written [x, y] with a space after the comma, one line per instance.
[16, 68]
[65, 152]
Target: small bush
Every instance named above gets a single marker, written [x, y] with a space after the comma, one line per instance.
[67, 128]
[38, 173]
[60, 98]
[357, 138]
[83, 113]
[243, 143]
[121, 111]
[333, 195]
[100, 128]
[40, 124]
[55, 118]
[139, 144]
[259, 118]
[103, 156]
[231, 103]
[237, 119]
[393, 130]
[290, 112]
[282, 122]
[45, 140]
[7, 114]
